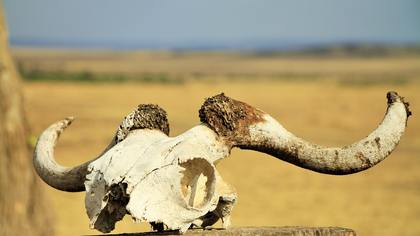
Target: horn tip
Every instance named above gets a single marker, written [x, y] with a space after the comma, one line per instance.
[393, 97]
[69, 119]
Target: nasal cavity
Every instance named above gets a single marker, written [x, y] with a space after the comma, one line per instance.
[198, 182]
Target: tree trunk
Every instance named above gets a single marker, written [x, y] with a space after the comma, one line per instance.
[23, 210]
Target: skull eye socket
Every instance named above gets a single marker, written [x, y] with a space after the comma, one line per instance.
[198, 182]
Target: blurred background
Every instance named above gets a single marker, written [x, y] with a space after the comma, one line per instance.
[322, 68]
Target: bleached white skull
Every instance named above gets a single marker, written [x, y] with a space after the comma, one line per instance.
[173, 182]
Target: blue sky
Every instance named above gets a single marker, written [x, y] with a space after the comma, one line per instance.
[167, 23]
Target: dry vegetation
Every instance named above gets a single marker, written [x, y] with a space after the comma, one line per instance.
[338, 107]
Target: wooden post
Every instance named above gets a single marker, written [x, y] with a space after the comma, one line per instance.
[261, 231]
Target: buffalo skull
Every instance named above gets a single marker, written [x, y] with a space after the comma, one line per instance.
[173, 182]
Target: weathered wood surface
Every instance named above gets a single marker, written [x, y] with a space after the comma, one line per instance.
[261, 231]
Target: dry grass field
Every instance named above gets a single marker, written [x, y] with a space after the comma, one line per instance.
[334, 111]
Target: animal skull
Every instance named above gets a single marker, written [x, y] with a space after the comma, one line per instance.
[173, 181]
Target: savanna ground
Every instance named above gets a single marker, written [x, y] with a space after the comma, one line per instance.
[328, 100]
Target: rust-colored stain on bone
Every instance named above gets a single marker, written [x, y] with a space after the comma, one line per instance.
[228, 117]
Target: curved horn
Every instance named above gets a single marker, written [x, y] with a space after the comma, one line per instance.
[69, 179]
[248, 128]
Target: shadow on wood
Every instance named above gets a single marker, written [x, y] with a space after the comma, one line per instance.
[262, 231]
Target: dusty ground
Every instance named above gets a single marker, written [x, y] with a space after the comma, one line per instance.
[213, 65]
[383, 200]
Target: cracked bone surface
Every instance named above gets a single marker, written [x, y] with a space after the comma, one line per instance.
[172, 181]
